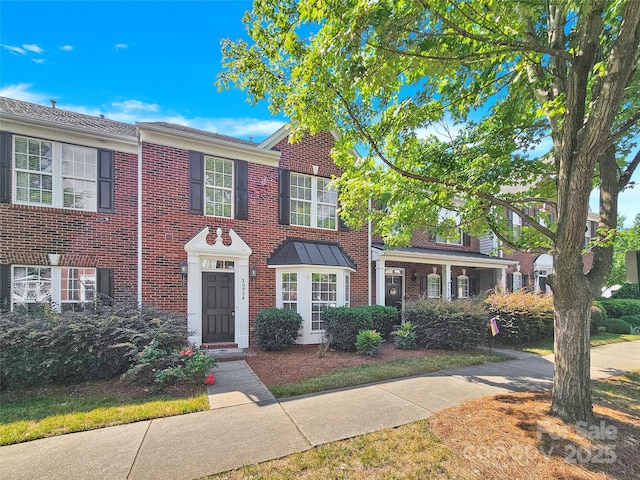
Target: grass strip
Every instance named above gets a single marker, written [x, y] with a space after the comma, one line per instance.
[350, 377]
[29, 419]
[545, 347]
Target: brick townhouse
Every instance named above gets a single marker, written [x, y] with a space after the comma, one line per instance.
[204, 224]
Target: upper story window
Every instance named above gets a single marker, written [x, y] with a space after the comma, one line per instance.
[218, 187]
[313, 202]
[455, 240]
[55, 174]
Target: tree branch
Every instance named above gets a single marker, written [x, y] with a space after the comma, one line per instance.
[628, 173]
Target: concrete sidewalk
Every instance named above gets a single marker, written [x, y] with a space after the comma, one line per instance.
[247, 425]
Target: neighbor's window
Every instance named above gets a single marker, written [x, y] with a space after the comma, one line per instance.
[433, 285]
[314, 203]
[67, 288]
[55, 174]
[290, 291]
[463, 286]
[218, 174]
[517, 281]
[324, 293]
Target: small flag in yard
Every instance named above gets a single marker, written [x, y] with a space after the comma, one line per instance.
[494, 327]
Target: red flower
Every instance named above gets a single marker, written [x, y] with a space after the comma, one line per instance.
[187, 352]
[210, 379]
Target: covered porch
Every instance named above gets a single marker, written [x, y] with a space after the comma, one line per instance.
[406, 273]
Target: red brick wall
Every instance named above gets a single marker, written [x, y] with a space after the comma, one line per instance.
[168, 225]
[85, 239]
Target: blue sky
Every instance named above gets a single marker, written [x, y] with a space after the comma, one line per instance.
[139, 61]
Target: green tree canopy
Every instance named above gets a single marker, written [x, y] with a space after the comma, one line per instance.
[504, 79]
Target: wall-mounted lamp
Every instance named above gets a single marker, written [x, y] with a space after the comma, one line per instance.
[536, 273]
[253, 272]
[415, 276]
[184, 270]
[54, 258]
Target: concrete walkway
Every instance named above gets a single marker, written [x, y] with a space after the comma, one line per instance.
[247, 425]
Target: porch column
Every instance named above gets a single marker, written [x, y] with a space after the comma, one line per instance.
[446, 273]
[380, 292]
[503, 278]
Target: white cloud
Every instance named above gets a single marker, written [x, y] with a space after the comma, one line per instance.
[39, 60]
[13, 49]
[121, 46]
[32, 47]
[21, 91]
[129, 105]
[66, 48]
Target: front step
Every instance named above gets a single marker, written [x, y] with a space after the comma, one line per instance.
[227, 354]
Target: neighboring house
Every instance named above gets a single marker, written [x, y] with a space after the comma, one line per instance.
[199, 223]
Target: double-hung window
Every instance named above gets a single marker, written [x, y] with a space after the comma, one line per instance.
[324, 293]
[433, 285]
[290, 291]
[55, 174]
[218, 187]
[314, 203]
[463, 286]
[66, 288]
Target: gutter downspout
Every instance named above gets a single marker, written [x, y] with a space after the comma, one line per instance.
[139, 246]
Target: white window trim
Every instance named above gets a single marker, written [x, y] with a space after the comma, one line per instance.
[304, 279]
[432, 276]
[519, 285]
[57, 176]
[55, 293]
[314, 203]
[215, 187]
[462, 277]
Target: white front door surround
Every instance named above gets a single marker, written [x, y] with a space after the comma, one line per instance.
[205, 257]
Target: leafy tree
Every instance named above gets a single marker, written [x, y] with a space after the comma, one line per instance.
[626, 239]
[500, 80]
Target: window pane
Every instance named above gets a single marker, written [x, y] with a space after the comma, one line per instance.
[323, 294]
[78, 285]
[31, 285]
[290, 291]
[219, 187]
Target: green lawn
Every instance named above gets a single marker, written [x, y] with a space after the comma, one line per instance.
[545, 347]
[57, 410]
[349, 377]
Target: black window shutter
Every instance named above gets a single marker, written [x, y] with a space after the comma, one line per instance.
[466, 239]
[525, 281]
[105, 181]
[104, 280]
[284, 196]
[510, 218]
[454, 289]
[5, 289]
[342, 227]
[473, 286]
[5, 162]
[241, 190]
[432, 236]
[196, 183]
[510, 282]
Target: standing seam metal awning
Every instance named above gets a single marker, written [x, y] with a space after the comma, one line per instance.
[306, 252]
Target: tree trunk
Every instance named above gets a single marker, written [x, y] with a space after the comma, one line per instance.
[572, 300]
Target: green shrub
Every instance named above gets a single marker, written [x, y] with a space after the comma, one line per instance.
[368, 342]
[615, 325]
[277, 328]
[342, 325]
[161, 368]
[522, 317]
[42, 346]
[619, 307]
[383, 318]
[405, 337]
[627, 290]
[598, 317]
[633, 320]
[450, 325]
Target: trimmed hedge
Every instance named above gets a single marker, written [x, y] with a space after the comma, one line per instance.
[522, 317]
[598, 317]
[43, 346]
[342, 325]
[627, 290]
[633, 320]
[277, 328]
[448, 325]
[383, 318]
[615, 325]
[619, 307]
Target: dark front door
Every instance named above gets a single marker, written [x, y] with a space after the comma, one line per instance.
[218, 315]
[393, 292]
